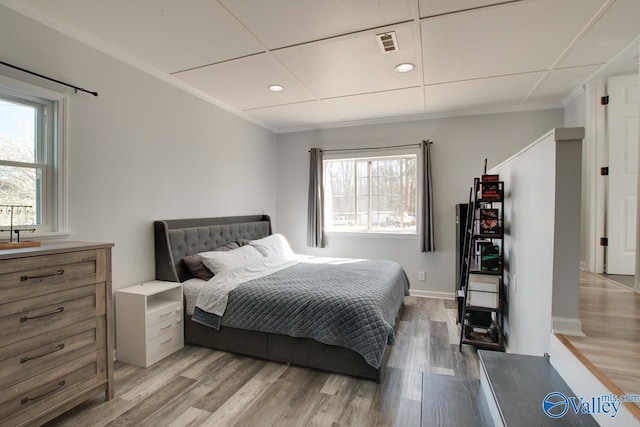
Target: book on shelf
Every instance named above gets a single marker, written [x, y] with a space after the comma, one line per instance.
[489, 223]
[476, 253]
[490, 190]
[484, 290]
[490, 258]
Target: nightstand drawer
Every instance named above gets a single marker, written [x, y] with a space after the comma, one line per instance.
[169, 339]
[149, 321]
[163, 327]
[31, 357]
[21, 278]
[34, 316]
[161, 310]
[19, 402]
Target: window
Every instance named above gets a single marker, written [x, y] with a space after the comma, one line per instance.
[372, 194]
[30, 160]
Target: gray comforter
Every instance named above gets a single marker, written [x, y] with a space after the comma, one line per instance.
[349, 303]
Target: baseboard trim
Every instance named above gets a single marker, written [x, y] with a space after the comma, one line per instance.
[567, 326]
[431, 294]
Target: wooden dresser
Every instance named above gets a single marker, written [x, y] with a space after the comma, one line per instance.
[56, 340]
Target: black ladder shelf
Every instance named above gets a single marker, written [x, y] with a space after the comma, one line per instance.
[481, 293]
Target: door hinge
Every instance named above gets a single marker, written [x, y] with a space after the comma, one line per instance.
[604, 171]
[604, 241]
[604, 100]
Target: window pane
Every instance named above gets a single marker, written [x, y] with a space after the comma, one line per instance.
[371, 194]
[17, 132]
[19, 186]
[363, 186]
[363, 168]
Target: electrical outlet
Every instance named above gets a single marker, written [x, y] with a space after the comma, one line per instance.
[422, 276]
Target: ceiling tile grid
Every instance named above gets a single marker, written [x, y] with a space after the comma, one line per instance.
[354, 64]
[243, 83]
[480, 93]
[378, 105]
[282, 23]
[167, 34]
[468, 54]
[296, 115]
[507, 39]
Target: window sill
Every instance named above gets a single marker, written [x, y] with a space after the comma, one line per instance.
[44, 236]
[371, 235]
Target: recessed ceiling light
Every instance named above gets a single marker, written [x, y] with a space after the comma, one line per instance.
[276, 88]
[404, 67]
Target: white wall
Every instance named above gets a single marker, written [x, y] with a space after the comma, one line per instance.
[143, 149]
[461, 145]
[542, 240]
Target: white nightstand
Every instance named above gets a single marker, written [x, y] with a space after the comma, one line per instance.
[149, 322]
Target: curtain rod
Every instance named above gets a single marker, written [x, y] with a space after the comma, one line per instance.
[374, 148]
[76, 88]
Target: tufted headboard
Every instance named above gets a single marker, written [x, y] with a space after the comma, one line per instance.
[177, 238]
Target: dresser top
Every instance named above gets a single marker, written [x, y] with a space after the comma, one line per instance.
[52, 248]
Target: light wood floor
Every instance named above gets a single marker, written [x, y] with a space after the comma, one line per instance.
[610, 316]
[198, 386]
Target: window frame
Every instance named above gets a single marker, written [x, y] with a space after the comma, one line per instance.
[364, 155]
[50, 152]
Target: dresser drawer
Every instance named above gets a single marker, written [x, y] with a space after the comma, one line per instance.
[163, 310]
[38, 275]
[19, 402]
[28, 358]
[28, 318]
[158, 329]
[169, 339]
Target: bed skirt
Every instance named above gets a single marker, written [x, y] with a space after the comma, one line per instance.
[291, 350]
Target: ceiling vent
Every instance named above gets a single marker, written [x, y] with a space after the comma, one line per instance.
[388, 42]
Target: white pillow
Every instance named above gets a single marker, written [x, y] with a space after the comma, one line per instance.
[218, 261]
[274, 245]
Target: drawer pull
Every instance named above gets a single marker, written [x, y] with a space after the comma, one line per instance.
[56, 311]
[165, 328]
[166, 342]
[165, 314]
[41, 276]
[29, 399]
[25, 359]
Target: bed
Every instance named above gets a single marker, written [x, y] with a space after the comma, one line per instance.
[176, 239]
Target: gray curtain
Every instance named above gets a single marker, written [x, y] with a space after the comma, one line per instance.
[427, 240]
[315, 216]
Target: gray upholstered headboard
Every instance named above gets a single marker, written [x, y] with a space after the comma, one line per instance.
[177, 238]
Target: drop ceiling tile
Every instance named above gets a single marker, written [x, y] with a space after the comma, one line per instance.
[295, 115]
[507, 39]
[353, 64]
[163, 33]
[394, 103]
[242, 83]
[560, 83]
[481, 93]
[280, 23]
[618, 27]
[439, 7]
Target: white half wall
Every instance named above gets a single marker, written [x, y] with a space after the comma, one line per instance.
[460, 146]
[143, 149]
[575, 115]
[542, 240]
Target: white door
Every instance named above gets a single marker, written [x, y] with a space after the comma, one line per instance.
[622, 124]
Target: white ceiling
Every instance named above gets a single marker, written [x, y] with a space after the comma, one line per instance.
[470, 55]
